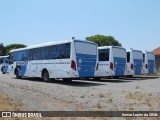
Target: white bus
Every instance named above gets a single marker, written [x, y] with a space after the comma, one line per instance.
[67, 59]
[4, 64]
[148, 62]
[134, 62]
[112, 61]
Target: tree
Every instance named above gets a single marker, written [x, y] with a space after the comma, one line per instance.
[102, 40]
[14, 46]
[2, 49]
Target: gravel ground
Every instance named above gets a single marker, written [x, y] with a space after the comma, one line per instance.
[123, 94]
[138, 93]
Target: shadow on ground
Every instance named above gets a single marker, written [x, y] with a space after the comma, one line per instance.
[74, 83]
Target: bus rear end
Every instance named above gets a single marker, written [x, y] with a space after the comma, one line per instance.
[145, 63]
[105, 63]
[151, 62]
[134, 62]
[148, 62]
[86, 58]
[119, 61]
[137, 61]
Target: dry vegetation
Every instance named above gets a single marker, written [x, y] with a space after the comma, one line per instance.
[143, 99]
[5, 103]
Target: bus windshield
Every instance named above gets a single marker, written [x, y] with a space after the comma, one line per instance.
[85, 48]
[137, 55]
[119, 52]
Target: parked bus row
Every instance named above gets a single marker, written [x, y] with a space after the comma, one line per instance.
[77, 59]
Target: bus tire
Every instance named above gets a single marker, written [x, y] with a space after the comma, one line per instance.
[129, 76]
[17, 75]
[2, 71]
[67, 80]
[45, 76]
[96, 78]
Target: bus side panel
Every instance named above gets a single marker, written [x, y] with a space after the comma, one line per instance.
[60, 68]
[151, 66]
[137, 66]
[119, 66]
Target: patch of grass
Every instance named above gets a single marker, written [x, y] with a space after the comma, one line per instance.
[99, 105]
[137, 87]
[135, 96]
[130, 96]
[131, 108]
[101, 95]
[83, 96]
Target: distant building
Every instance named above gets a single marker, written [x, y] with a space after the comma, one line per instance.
[157, 57]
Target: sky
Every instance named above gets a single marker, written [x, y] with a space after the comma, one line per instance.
[134, 23]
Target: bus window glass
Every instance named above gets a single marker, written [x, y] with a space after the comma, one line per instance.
[1, 60]
[103, 54]
[44, 53]
[128, 57]
[143, 58]
[61, 51]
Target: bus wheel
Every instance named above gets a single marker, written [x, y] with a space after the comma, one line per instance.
[67, 80]
[45, 76]
[3, 72]
[129, 76]
[96, 78]
[17, 75]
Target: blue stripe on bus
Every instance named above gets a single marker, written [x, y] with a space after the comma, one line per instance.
[86, 64]
[5, 69]
[119, 66]
[22, 54]
[151, 66]
[137, 66]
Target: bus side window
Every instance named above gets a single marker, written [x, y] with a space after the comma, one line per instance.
[128, 57]
[11, 60]
[1, 60]
[54, 53]
[143, 58]
[31, 54]
[35, 54]
[44, 53]
[67, 50]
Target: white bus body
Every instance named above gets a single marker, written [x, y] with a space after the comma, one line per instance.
[66, 59]
[4, 64]
[112, 61]
[148, 62]
[134, 62]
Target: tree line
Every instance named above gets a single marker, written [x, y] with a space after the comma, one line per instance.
[4, 50]
[101, 40]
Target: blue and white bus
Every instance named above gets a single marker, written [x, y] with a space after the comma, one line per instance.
[148, 62]
[4, 64]
[134, 62]
[112, 61]
[67, 59]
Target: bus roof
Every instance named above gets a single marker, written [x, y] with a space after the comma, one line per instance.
[134, 50]
[48, 44]
[148, 52]
[104, 47]
[3, 56]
